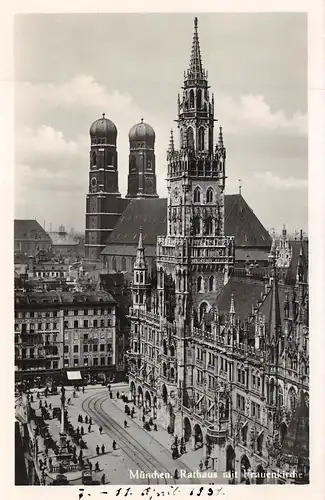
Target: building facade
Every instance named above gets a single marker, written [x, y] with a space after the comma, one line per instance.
[229, 386]
[61, 331]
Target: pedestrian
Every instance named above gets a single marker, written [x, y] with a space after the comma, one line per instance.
[46, 451]
[90, 465]
[50, 461]
[176, 440]
[81, 419]
[97, 450]
[80, 453]
[201, 465]
[86, 419]
[206, 463]
[69, 401]
[78, 431]
[89, 428]
[114, 445]
[45, 404]
[90, 421]
[50, 406]
[176, 474]
[82, 430]
[40, 404]
[110, 394]
[109, 387]
[97, 466]
[125, 424]
[31, 398]
[103, 449]
[83, 390]
[103, 479]
[100, 430]
[38, 395]
[155, 428]
[143, 418]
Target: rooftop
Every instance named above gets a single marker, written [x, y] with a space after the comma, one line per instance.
[25, 229]
[64, 298]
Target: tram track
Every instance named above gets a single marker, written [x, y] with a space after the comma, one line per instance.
[144, 460]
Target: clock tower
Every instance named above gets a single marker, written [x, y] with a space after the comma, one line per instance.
[102, 199]
[142, 162]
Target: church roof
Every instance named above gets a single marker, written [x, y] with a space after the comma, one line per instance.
[242, 223]
[29, 229]
[151, 214]
[148, 214]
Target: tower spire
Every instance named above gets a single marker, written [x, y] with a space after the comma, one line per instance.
[195, 70]
[140, 260]
[171, 141]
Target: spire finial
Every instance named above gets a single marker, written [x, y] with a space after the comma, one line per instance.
[195, 70]
[140, 244]
[141, 120]
[171, 141]
[232, 304]
[240, 185]
[103, 115]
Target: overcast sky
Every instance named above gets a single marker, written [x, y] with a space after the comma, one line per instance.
[71, 68]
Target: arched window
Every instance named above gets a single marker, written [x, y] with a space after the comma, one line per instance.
[137, 277]
[190, 138]
[114, 263]
[292, 396]
[141, 277]
[192, 98]
[164, 370]
[165, 347]
[210, 195]
[172, 351]
[294, 363]
[211, 284]
[201, 139]
[203, 309]
[208, 226]
[123, 263]
[196, 225]
[272, 392]
[199, 98]
[197, 195]
[199, 284]
[172, 373]
[280, 396]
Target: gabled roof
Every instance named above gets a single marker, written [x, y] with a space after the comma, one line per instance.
[292, 269]
[151, 214]
[246, 293]
[148, 214]
[242, 223]
[25, 229]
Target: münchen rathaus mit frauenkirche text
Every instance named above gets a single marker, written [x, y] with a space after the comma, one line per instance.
[235, 387]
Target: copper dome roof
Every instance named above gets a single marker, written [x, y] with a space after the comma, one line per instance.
[142, 132]
[103, 127]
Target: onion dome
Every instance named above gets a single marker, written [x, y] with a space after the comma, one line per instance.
[142, 132]
[104, 129]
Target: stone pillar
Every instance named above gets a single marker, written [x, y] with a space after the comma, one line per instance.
[153, 411]
[193, 446]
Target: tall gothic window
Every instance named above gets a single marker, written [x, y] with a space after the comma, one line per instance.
[201, 139]
[190, 138]
[203, 310]
[208, 226]
[192, 98]
[199, 284]
[211, 283]
[199, 98]
[123, 263]
[197, 195]
[196, 225]
[210, 195]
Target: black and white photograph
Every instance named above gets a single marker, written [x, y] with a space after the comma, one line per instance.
[161, 249]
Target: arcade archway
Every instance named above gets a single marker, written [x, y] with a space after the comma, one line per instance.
[187, 429]
[244, 467]
[147, 399]
[198, 436]
[164, 394]
[260, 472]
[140, 396]
[133, 391]
[230, 459]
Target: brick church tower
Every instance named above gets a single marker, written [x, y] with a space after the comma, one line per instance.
[102, 202]
[142, 162]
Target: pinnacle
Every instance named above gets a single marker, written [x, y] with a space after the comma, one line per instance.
[195, 69]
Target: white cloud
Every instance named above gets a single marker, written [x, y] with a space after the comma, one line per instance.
[283, 183]
[252, 114]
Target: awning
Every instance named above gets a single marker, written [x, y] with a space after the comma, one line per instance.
[74, 375]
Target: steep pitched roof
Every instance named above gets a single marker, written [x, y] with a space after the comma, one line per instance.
[150, 214]
[246, 293]
[292, 269]
[241, 222]
[29, 229]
